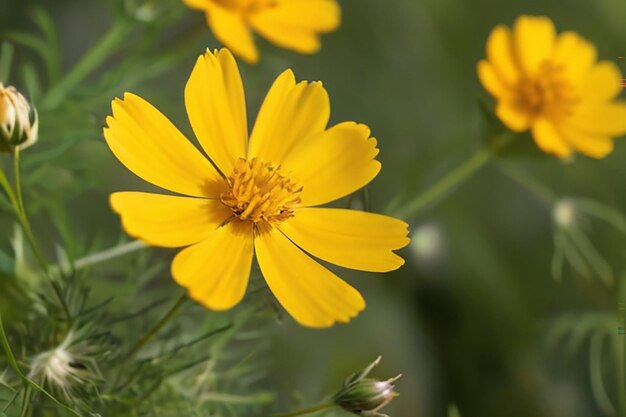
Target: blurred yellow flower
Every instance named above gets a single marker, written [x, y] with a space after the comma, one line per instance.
[553, 85]
[260, 197]
[290, 24]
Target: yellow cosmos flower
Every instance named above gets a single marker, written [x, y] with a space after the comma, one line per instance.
[290, 24]
[262, 197]
[553, 86]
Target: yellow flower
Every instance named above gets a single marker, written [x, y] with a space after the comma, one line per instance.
[261, 196]
[290, 24]
[552, 85]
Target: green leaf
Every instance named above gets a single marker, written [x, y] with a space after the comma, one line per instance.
[39, 45]
[6, 58]
[7, 266]
[31, 81]
[45, 23]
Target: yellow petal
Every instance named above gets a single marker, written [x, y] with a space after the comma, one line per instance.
[601, 119]
[334, 163]
[216, 270]
[216, 108]
[549, 139]
[601, 84]
[590, 145]
[313, 295]
[512, 117]
[231, 29]
[290, 114]
[153, 149]
[574, 55]
[165, 220]
[534, 38]
[349, 238]
[197, 4]
[296, 24]
[491, 81]
[500, 54]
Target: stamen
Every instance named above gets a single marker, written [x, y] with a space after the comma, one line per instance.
[260, 193]
[548, 93]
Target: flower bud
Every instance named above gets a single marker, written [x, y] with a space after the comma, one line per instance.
[564, 212]
[144, 11]
[64, 367]
[365, 396]
[19, 123]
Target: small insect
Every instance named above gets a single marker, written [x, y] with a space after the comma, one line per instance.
[78, 365]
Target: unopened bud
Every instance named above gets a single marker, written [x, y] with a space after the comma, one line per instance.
[144, 11]
[19, 124]
[564, 212]
[365, 396]
[62, 368]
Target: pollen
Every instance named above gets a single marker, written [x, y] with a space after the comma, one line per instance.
[260, 193]
[548, 93]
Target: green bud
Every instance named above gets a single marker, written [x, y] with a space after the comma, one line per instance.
[19, 124]
[365, 396]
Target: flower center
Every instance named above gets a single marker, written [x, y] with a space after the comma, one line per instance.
[260, 193]
[548, 93]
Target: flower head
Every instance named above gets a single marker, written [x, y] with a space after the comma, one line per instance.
[366, 396]
[552, 85]
[263, 196]
[18, 122]
[294, 25]
[575, 219]
[65, 367]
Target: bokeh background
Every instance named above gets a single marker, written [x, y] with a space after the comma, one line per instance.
[470, 318]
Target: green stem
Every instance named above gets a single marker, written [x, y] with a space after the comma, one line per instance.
[18, 181]
[621, 377]
[95, 56]
[10, 356]
[537, 189]
[4, 183]
[621, 348]
[18, 206]
[445, 185]
[308, 410]
[102, 256]
[28, 395]
[157, 327]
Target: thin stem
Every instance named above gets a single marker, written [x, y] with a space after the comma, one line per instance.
[18, 181]
[4, 183]
[621, 374]
[537, 189]
[28, 394]
[157, 327]
[621, 350]
[102, 256]
[308, 410]
[95, 56]
[10, 357]
[445, 185]
[18, 206]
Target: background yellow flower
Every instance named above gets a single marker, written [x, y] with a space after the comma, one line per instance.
[290, 24]
[552, 85]
[261, 198]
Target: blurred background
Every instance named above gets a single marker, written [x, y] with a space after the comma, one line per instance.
[508, 302]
